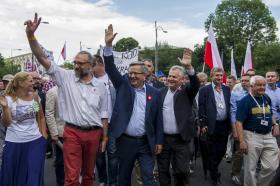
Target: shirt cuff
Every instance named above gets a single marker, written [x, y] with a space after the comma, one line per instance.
[108, 51]
[190, 72]
[104, 115]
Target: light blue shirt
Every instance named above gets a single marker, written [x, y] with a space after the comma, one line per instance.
[136, 125]
[220, 104]
[236, 96]
[274, 95]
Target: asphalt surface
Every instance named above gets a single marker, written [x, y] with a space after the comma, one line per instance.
[197, 178]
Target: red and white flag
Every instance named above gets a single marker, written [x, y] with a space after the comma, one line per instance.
[248, 62]
[211, 55]
[63, 51]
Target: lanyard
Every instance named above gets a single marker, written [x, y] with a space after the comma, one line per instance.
[263, 108]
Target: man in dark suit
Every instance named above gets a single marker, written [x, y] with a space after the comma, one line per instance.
[214, 114]
[136, 122]
[151, 79]
[178, 123]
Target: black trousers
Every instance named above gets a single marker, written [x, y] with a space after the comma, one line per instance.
[177, 152]
[217, 143]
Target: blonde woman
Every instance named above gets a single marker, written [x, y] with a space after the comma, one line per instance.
[25, 145]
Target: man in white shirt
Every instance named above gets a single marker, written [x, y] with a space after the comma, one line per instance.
[82, 105]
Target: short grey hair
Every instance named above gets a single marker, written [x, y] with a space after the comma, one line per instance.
[90, 57]
[180, 68]
[216, 69]
[202, 75]
[256, 78]
[144, 68]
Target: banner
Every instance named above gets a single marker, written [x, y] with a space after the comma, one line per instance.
[123, 59]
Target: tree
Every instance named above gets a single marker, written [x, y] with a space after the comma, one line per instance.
[68, 65]
[168, 56]
[125, 44]
[236, 21]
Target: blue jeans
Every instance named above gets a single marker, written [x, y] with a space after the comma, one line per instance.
[101, 167]
[112, 161]
[59, 166]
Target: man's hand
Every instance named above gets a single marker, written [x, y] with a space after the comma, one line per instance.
[186, 61]
[158, 149]
[243, 147]
[104, 144]
[109, 36]
[204, 130]
[3, 101]
[31, 26]
[55, 138]
[275, 130]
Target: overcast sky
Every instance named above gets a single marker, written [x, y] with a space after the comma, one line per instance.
[85, 20]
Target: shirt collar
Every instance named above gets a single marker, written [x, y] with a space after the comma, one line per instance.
[93, 80]
[214, 86]
[143, 89]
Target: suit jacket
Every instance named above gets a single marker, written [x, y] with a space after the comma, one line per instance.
[157, 84]
[123, 107]
[207, 107]
[183, 107]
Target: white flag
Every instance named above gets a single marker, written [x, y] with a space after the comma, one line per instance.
[232, 66]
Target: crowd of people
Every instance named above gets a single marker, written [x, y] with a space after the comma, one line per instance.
[97, 118]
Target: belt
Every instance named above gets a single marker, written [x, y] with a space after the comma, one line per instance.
[135, 137]
[173, 135]
[84, 128]
[257, 132]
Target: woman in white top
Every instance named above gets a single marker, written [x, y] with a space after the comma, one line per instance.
[25, 145]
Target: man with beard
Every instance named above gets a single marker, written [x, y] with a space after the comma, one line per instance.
[83, 107]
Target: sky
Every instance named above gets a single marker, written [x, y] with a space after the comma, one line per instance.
[75, 21]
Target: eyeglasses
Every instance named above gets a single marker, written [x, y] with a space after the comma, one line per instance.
[134, 73]
[79, 63]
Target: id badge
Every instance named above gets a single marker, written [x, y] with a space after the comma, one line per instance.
[264, 123]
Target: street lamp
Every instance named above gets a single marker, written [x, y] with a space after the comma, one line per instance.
[156, 45]
[15, 49]
[45, 22]
[83, 45]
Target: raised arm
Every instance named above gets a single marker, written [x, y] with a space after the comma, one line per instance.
[186, 62]
[110, 67]
[31, 27]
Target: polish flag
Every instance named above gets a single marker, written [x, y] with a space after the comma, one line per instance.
[211, 55]
[63, 51]
[248, 62]
[232, 66]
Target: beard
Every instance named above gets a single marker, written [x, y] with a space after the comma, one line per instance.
[80, 73]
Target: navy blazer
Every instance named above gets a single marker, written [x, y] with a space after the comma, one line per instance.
[207, 107]
[123, 107]
[183, 107]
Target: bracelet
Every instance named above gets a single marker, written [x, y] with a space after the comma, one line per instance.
[32, 38]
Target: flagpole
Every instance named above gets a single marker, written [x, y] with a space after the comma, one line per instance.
[203, 67]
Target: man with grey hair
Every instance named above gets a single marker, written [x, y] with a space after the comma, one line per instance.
[136, 121]
[214, 115]
[256, 127]
[83, 107]
[178, 123]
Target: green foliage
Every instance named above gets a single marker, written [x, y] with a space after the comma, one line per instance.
[68, 65]
[235, 22]
[168, 56]
[8, 67]
[125, 44]
[267, 57]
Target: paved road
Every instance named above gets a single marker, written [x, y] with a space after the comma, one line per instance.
[197, 178]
